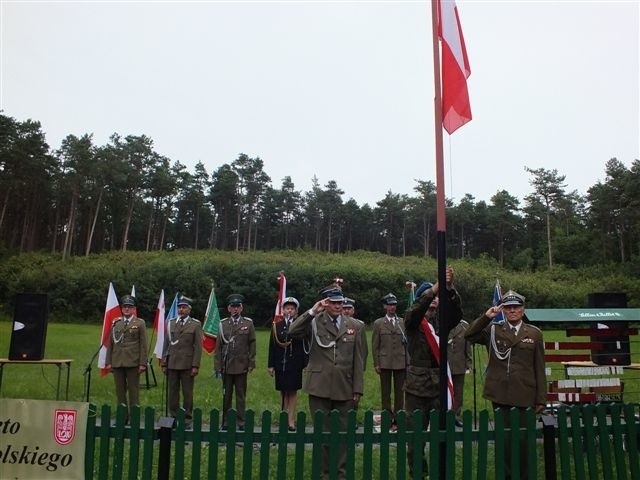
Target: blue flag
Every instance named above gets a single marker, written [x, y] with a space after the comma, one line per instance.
[173, 311]
[497, 295]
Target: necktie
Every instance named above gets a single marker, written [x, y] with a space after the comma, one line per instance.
[336, 324]
[514, 330]
[181, 322]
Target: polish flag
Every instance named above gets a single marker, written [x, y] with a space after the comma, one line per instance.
[111, 312]
[282, 294]
[158, 325]
[456, 109]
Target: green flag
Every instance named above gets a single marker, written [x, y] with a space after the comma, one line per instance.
[211, 324]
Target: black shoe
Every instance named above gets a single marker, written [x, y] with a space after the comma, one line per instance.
[459, 423]
[292, 429]
[223, 428]
[240, 428]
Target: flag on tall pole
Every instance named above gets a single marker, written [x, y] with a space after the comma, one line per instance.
[133, 294]
[282, 294]
[456, 109]
[211, 324]
[159, 326]
[434, 342]
[497, 295]
[411, 286]
[111, 312]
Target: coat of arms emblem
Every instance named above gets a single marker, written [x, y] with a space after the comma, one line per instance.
[64, 426]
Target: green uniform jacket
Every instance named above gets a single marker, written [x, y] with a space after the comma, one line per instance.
[236, 346]
[335, 368]
[423, 372]
[127, 345]
[182, 345]
[459, 349]
[519, 380]
[389, 344]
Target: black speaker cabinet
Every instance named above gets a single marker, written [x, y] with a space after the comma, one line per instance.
[29, 327]
[616, 349]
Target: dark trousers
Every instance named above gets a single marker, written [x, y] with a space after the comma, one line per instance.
[506, 410]
[397, 378]
[127, 379]
[458, 391]
[325, 405]
[177, 379]
[238, 383]
[425, 404]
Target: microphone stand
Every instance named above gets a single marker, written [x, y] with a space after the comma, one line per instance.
[87, 373]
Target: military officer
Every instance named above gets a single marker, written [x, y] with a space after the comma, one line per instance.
[348, 309]
[181, 358]
[516, 370]
[127, 353]
[459, 357]
[235, 357]
[335, 371]
[422, 386]
[389, 345]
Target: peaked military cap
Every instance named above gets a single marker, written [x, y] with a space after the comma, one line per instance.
[349, 302]
[128, 300]
[235, 299]
[291, 301]
[185, 301]
[389, 299]
[333, 293]
[512, 298]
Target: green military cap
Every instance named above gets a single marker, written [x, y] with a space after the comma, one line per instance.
[512, 298]
[128, 300]
[235, 299]
[390, 299]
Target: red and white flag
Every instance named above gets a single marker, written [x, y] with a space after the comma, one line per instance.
[282, 294]
[159, 326]
[456, 109]
[111, 312]
[434, 342]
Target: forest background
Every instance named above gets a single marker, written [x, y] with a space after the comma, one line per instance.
[75, 218]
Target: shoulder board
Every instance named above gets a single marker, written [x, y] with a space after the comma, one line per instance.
[533, 327]
[195, 319]
[116, 320]
[248, 319]
[359, 321]
[172, 319]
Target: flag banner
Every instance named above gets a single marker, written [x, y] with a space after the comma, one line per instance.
[456, 109]
[211, 324]
[111, 312]
[411, 286]
[497, 295]
[158, 326]
[135, 307]
[43, 439]
[282, 294]
[434, 342]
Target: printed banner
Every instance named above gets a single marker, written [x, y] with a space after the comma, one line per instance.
[42, 439]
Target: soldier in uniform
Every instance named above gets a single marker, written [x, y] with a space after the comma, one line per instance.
[389, 345]
[335, 372]
[287, 359]
[127, 353]
[348, 309]
[422, 386]
[235, 357]
[516, 370]
[459, 356]
[181, 358]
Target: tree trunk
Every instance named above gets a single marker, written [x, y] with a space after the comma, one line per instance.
[66, 249]
[549, 238]
[94, 221]
[127, 224]
[197, 228]
[4, 207]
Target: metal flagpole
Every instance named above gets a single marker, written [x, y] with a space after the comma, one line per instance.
[443, 309]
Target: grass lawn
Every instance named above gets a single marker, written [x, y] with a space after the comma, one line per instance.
[80, 342]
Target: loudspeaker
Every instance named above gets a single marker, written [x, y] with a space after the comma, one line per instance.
[29, 326]
[615, 348]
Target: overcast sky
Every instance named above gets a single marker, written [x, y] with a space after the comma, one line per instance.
[340, 90]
